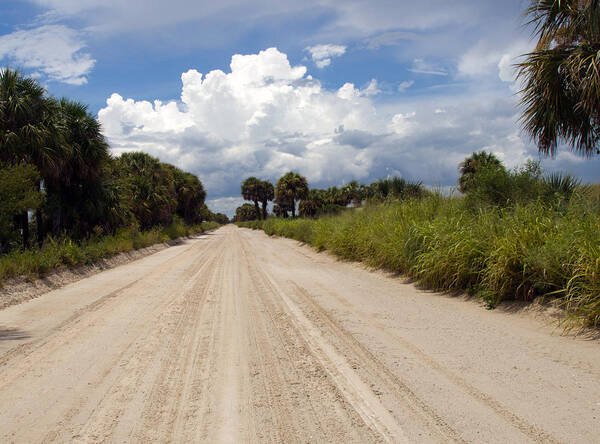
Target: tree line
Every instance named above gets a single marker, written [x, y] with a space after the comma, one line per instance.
[57, 176]
[291, 195]
[483, 181]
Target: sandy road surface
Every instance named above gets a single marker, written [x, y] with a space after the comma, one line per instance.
[236, 337]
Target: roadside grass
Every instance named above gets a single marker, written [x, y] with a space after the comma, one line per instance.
[65, 252]
[518, 252]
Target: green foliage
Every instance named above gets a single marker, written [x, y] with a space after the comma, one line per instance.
[517, 252]
[561, 93]
[252, 190]
[290, 188]
[396, 188]
[30, 128]
[18, 193]
[313, 204]
[493, 185]
[245, 212]
[279, 210]
[190, 195]
[149, 187]
[474, 165]
[219, 218]
[65, 252]
[257, 190]
[252, 224]
[78, 190]
[267, 193]
[561, 187]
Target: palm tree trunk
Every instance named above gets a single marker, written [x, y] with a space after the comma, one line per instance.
[294, 210]
[264, 209]
[25, 228]
[41, 232]
[257, 210]
[56, 222]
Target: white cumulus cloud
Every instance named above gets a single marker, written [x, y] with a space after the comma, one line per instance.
[322, 54]
[265, 117]
[55, 51]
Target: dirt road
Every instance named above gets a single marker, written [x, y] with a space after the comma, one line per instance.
[237, 337]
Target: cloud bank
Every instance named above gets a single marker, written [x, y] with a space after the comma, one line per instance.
[266, 117]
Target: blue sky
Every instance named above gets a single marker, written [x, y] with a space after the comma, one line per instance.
[335, 90]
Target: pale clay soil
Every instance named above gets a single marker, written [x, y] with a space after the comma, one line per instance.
[237, 337]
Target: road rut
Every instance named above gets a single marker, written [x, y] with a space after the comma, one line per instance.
[236, 337]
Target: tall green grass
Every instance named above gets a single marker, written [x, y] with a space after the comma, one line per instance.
[64, 252]
[512, 253]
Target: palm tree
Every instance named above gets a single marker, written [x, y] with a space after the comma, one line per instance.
[279, 211]
[150, 188]
[190, 195]
[312, 205]
[355, 193]
[336, 196]
[251, 190]
[474, 164]
[267, 193]
[77, 191]
[561, 93]
[245, 213]
[290, 188]
[30, 130]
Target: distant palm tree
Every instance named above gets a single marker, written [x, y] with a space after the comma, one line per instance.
[252, 190]
[267, 193]
[245, 212]
[336, 196]
[354, 192]
[561, 93]
[474, 164]
[290, 188]
[150, 188]
[312, 205]
[190, 195]
[279, 211]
